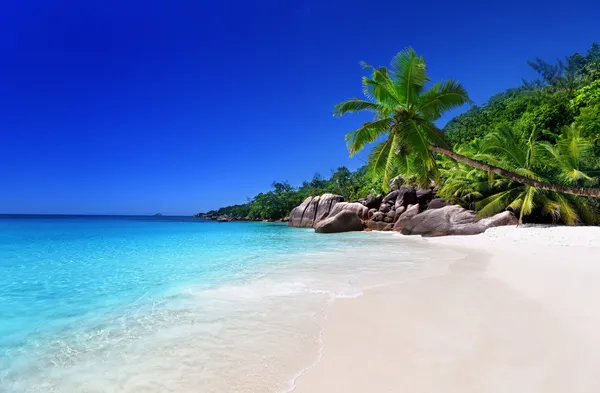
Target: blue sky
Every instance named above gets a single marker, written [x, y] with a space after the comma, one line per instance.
[138, 107]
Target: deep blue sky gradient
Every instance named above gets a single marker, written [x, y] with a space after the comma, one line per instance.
[138, 107]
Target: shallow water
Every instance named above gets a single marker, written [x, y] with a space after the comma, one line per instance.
[162, 304]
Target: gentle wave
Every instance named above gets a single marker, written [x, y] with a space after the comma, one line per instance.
[255, 325]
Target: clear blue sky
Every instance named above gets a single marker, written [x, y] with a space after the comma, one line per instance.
[138, 107]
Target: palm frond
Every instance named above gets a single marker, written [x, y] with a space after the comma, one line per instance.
[433, 134]
[368, 133]
[379, 160]
[496, 203]
[357, 105]
[380, 87]
[442, 97]
[410, 76]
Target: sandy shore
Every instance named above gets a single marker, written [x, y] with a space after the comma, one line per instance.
[520, 313]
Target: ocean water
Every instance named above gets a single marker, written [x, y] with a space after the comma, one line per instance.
[174, 304]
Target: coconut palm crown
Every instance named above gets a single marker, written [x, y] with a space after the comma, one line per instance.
[405, 112]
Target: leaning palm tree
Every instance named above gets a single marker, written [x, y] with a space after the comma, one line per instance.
[528, 157]
[405, 112]
[465, 185]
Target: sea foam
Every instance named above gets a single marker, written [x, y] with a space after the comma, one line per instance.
[127, 305]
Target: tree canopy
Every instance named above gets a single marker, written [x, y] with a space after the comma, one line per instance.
[530, 149]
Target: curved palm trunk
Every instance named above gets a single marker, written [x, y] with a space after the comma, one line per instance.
[580, 191]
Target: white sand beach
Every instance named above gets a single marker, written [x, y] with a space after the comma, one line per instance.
[520, 313]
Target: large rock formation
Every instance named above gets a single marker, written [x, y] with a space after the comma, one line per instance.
[407, 195]
[326, 203]
[308, 218]
[372, 202]
[298, 213]
[313, 210]
[376, 225]
[406, 210]
[344, 221]
[453, 220]
[361, 210]
[424, 195]
[403, 219]
[436, 203]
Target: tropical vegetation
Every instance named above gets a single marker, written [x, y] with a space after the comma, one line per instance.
[278, 202]
[533, 149]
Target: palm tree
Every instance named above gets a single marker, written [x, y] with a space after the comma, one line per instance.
[526, 156]
[404, 116]
[465, 185]
[404, 119]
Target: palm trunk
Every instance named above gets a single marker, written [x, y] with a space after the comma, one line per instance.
[580, 191]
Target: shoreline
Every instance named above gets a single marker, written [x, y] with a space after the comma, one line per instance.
[516, 314]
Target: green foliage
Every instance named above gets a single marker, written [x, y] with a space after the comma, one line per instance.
[405, 112]
[570, 161]
[279, 202]
[565, 92]
[547, 130]
[587, 103]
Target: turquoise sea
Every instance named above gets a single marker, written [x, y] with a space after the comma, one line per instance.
[160, 304]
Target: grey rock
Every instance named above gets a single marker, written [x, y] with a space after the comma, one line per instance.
[371, 212]
[308, 219]
[411, 212]
[391, 196]
[326, 203]
[298, 212]
[376, 225]
[358, 208]
[454, 220]
[344, 221]
[378, 216]
[424, 195]
[436, 203]
[399, 212]
[407, 195]
[384, 207]
[373, 202]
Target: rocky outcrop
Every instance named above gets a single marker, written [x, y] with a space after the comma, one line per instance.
[377, 216]
[344, 221]
[436, 203]
[373, 202]
[390, 197]
[298, 213]
[403, 219]
[376, 225]
[407, 195]
[313, 210]
[424, 195]
[406, 210]
[361, 210]
[308, 218]
[453, 220]
[326, 203]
